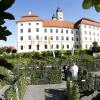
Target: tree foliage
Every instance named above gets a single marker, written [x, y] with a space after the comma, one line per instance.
[86, 83]
[72, 90]
[95, 47]
[87, 4]
[4, 32]
[4, 5]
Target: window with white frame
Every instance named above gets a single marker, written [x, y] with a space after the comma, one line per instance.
[76, 32]
[67, 38]
[76, 39]
[85, 38]
[29, 37]
[89, 33]
[57, 46]
[45, 46]
[29, 30]
[57, 38]
[51, 30]
[21, 47]
[45, 30]
[21, 30]
[56, 30]
[62, 37]
[29, 46]
[67, 31]
[21, 38]
[61, 30]
[67, 46]
[37, 37]
[72, 31]
[37, 29]
[45, 37]
[72, 38]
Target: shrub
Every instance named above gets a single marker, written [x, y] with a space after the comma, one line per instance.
[11, 95]
[87, 58]
[47, 54]
[97, 56]
[68, 52]
[58, 53]
[53, 75]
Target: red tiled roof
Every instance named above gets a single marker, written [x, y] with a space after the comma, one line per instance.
[89, 22]
[56, 23]
[28, 18]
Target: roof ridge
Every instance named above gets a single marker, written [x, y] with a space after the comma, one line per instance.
[90, 20]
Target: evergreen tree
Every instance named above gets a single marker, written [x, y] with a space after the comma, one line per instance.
[4, 32]
[72, 90]
[75, 92]
[4, 5]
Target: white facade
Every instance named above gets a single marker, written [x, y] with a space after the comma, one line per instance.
[89, 34]
[34, 34]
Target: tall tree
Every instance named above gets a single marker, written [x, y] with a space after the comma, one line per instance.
[4, 32]
[91, 3]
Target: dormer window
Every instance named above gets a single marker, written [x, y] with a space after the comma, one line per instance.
[29, 23]
[37, 23]
[21, 24]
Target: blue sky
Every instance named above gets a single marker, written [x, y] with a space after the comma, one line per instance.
[72, 10]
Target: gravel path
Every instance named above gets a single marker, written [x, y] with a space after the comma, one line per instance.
[45, 92]
[50, 92]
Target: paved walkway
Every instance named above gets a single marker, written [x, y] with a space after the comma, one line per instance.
[50, 92]
[46, 92]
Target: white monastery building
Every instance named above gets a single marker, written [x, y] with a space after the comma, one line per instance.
[36, 34]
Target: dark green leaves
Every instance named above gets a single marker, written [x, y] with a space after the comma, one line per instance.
[4, 63]
[5, 4]
[87, 4]
[97, 5]
[4, 33]
[91, 3]
[2, 77]
[5, 15]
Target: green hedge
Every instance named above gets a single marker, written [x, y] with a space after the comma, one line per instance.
[45, 54]
[39, 71]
